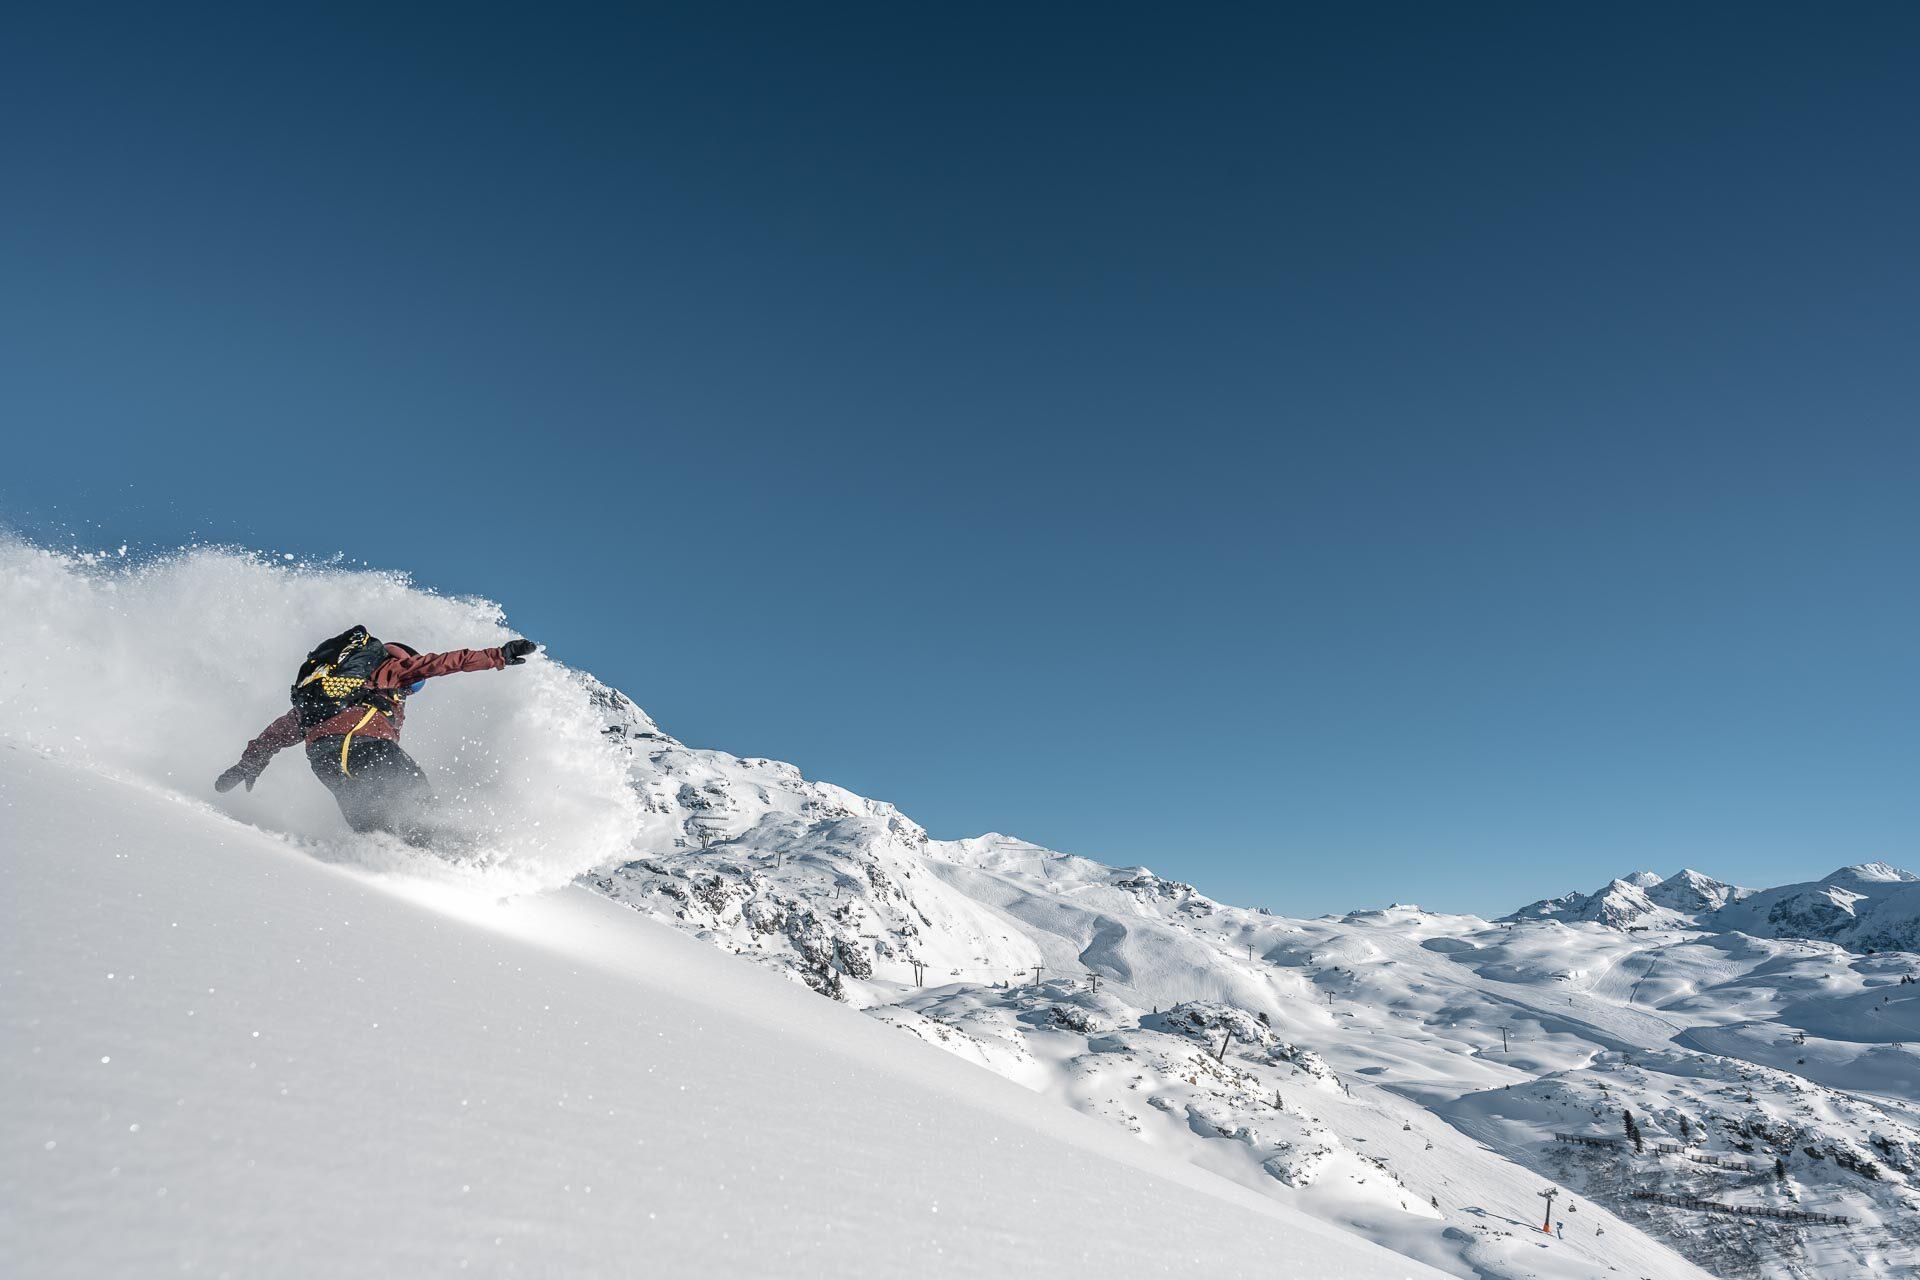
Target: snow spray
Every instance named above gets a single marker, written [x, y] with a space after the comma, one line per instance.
[159, 669]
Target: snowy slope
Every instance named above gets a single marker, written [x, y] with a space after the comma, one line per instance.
[1380, 1033]
[1394, 1076]
[1177, 971]
[225, 1056]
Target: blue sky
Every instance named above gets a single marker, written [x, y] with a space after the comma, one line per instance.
[1329, 454]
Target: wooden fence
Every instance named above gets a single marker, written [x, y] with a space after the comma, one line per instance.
[1742, 1211]
[1665, 1149]
[1583, 1140]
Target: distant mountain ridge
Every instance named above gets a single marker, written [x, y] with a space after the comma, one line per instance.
[1867, 907]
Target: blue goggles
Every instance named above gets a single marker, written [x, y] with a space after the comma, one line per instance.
[414, 688]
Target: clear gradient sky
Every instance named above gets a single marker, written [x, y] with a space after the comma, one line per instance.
[1329, 453]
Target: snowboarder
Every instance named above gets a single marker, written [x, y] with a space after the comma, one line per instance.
[349, 701]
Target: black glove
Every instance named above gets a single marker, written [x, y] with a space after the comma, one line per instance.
[516, 651]
[242, 772]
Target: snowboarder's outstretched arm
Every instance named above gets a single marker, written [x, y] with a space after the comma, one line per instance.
[282, 733]
[398, 672]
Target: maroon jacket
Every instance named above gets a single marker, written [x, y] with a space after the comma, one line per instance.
[397, 672]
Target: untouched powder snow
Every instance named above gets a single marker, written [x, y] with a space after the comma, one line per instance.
[224, 1057]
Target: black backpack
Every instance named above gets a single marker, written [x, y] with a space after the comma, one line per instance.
[339, 674]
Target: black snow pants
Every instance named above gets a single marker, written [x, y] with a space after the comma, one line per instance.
[377, 786]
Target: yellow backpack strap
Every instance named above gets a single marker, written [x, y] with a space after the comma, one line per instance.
[348, 740]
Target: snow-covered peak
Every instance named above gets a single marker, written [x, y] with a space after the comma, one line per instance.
[1624, 903]
[1870, 906]
[623, 716]
[993, 849]
[1643, 879]
[1690, 893]
[1861, 874]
